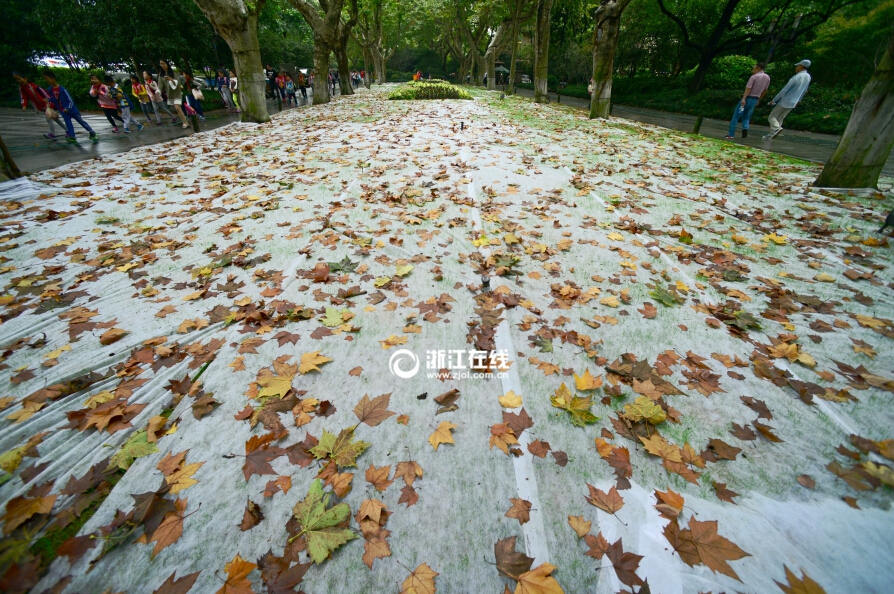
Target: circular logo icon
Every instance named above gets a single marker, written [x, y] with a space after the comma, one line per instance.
[403, 363]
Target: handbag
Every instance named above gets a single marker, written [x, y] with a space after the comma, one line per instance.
[197, 94]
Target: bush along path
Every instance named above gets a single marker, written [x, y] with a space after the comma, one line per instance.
[200, 394]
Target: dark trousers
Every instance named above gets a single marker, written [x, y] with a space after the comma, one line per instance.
[112, 115]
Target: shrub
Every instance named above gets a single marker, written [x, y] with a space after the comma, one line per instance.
[429, 89]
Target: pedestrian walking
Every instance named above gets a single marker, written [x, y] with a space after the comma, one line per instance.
[755, 89]
[156, 97]
[141, 94]
[32, 94]
[290, 90]
[234, 90]
[222, 83]
[789, 97]
[106, 102]
[302, 86]
[174, 86]
[270, 75]
[194, 95]
[61, 101]
[124, 105]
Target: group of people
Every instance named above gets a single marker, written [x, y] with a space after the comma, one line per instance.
[783, 103]
[179, 96]
[283, 86]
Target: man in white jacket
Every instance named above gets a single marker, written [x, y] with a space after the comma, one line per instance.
[790, 95]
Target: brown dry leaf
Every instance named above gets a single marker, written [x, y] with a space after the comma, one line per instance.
[170, 529]
[442, 434]
[648, 310]
[502, 436]
[580, 526]
[280, 483]
[538, 581]
[670, 503]
[701, 544]
[182, 477]
[111, 335]
[796, 585]
[409, 471]
[511, 563]
[520, 510]
[598, 545]
[372, 412]
[237, 574]
[376, 548]
[20, 509]
[806, 481]
[378, 477]
[420, 581]
[251, 516]
[608, 502]
[723, 493]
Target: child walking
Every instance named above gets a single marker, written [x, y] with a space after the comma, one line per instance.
[141, 94]
[106, 102]
[124, 105]
[61, 101]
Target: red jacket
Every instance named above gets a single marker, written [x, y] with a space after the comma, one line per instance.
[31, 93]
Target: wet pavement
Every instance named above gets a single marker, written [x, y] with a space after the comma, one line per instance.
[23, 134]
[795, 143]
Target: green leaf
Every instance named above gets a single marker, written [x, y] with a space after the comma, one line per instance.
[576, 406]
[334, 317]
[341, 450]
[136, 447]
[664, 297]
[319, 525]
[345, 265]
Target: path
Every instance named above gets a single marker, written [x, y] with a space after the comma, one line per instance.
[23, 134]
[796, 143]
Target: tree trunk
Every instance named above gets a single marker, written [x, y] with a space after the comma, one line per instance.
[237, 24]
[367, 62]
[510, 89]
[605, 44]
[379, 64]
[321, 72]
[8, 168]
[344, 72]
[869, 136]
[490, 64]
[541, 51]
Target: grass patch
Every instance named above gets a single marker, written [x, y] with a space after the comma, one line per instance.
[428, 89]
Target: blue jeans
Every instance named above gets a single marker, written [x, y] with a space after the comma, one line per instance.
[742, 113]
[74, 114]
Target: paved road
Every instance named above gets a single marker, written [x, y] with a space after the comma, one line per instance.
[805, 145]
[23, 134]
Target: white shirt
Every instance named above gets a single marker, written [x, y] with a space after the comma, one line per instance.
[793, 90]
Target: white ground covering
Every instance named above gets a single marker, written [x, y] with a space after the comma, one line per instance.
[403, 179]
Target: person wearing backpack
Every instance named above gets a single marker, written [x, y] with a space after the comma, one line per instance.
[124, 105]
[60, 100]
[155, 97]
[174, 86]
[234, 90]
[106, 102]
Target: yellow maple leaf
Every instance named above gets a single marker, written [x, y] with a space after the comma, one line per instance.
[610, 301]
[442, 434]
[312, 361]
[538, 581]
[182, 477]
[587, 382]
[510, 400]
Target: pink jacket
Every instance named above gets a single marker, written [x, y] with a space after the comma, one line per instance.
[101, 92]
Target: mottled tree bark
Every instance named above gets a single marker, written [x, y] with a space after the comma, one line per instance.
[321, 71]
[869, 136]
[324, 20]
[605, 44]
[236, 22]
[541, 50]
